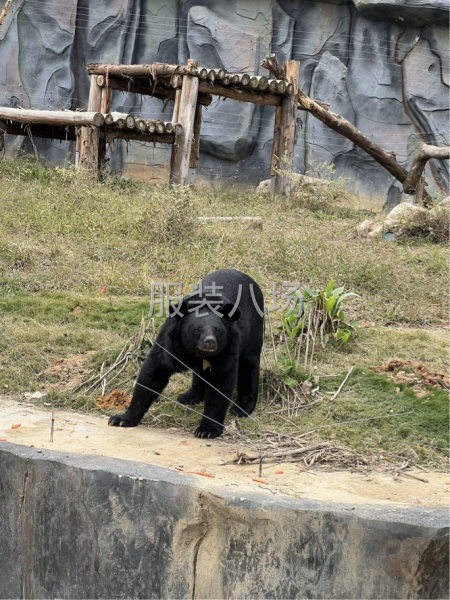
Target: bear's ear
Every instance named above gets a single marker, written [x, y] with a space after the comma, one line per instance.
[178, 310]
[230, 312]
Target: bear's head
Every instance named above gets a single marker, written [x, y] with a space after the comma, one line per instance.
[206, 325]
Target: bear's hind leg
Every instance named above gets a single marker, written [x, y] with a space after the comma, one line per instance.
[247, 387]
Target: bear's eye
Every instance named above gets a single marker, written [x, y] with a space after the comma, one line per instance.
[217, 330]
[196, 331]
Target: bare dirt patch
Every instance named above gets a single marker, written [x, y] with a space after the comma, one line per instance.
[416, 376]
[207, 460]
[71, 372]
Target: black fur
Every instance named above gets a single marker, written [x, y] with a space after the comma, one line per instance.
[230, 342]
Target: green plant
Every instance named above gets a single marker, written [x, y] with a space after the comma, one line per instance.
[322, 318]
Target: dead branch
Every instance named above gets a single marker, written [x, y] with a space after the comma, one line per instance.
[344, 381]
[5, 11]
[419, 162]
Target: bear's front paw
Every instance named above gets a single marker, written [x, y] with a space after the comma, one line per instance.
[123, 420]
[188, 398]
[207, 432]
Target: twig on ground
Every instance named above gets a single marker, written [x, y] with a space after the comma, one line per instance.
[344, 381]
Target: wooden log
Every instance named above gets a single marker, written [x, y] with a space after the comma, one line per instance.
[52, 117]
[151, 127]
[242, 95]
[141, 125]
[418, 165]
[226, 80]
[254, 220]
[176, 106]
[220, 73]
[283, 180]
[176, 81]
[137, 71]
[273, 85]
[106, 100]
[259, 82]
[203, 73]
[5, 10]
[113, 117]
[160, 127]
[129, 121]
[145, 87]
[128, 134]
[211, 75]
[240, 79]
[195, 148]
[52, 132]
[181, 151]
[277, 86]
[89, 136]
[276, 141]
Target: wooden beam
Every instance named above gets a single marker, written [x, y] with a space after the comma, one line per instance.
[113, 133]
[288, 123]
[53, 132]
[89, 137]
[135, 71]
[195, 149]
[51, 117]
[242, 95]
[181, 152]
[276, 141]
[418, 165]
[146, 88]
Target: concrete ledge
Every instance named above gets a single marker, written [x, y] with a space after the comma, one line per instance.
[94, 527]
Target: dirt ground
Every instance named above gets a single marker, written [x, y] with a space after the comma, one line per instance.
[82, 433]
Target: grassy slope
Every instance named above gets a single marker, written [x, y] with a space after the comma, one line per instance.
[63, 243]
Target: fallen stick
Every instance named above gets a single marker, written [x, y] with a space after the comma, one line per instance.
[344, 381]
[256, 220]
[419, 163]
[242, 457]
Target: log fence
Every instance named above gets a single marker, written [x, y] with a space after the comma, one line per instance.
[191, 87]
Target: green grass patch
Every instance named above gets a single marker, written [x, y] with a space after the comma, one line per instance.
[77, 262]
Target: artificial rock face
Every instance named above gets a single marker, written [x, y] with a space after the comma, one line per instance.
[381, 64]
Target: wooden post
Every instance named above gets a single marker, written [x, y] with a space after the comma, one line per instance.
[195, 148]
[89, 136]
[105, 107]
[276, 141]
[288, 122]
[181, 151]
[176, 106]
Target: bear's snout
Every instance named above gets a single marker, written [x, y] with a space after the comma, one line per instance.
[207, 344]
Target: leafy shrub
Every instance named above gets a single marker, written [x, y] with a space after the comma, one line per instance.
[322, 319]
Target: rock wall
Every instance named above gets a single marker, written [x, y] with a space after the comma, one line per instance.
[383, 64]
[93, 527]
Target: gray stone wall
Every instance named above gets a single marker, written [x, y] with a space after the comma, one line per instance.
[93, 527]
[383, 64]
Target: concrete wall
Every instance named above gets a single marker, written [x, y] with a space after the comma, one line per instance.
[383, 64]
[91, 527]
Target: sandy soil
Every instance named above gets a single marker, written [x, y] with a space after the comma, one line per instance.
[29, 425]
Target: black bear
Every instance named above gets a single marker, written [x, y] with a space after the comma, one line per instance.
[217, 331]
